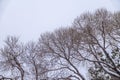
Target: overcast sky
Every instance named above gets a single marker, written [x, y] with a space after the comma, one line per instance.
[29, 18]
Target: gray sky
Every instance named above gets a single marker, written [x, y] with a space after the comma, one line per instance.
[29, 18]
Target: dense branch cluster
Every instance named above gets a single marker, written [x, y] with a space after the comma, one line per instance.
[93, 40]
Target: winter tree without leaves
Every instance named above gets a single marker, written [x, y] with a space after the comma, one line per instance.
[36, 61]
[101, 33]
[93, 38]
[62, 45]
[11, 56]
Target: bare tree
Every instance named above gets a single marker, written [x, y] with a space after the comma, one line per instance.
[101, 37]
[62, 44]
[93, 38]
[11, 56]
[36, 60]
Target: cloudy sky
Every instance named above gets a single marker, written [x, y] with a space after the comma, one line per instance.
[29, 18]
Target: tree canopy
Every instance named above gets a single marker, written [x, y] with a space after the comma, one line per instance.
[93, 39]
